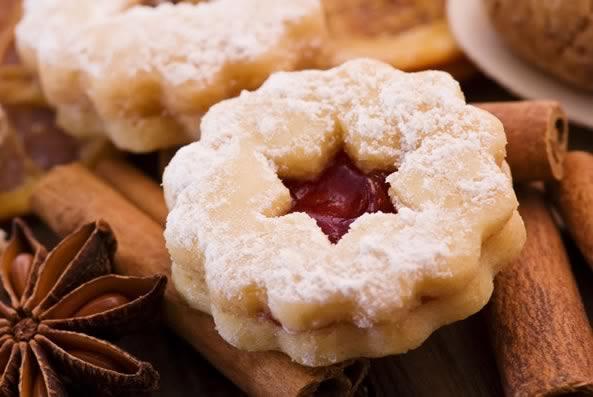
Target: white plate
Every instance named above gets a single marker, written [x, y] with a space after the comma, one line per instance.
[475, 34]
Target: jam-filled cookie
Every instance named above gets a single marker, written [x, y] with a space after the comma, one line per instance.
[342, 213]
[144, 72]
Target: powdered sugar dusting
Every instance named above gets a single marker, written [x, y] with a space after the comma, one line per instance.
[49, 23]
[163, 66]
[447, 184]
[185, 42]
[192, 42]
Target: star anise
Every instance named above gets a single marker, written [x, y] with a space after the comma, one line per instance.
[55, 307]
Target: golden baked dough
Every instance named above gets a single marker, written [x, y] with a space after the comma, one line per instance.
[145, 75]
[410, 34]
[556, 36]
[272, 280]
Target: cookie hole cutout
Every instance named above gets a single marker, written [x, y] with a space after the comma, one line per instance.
[340, 195]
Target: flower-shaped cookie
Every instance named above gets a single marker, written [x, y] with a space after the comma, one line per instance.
[145, 75]
[270, 276]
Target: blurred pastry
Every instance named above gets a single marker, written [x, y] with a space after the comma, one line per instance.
[145, 74]
[555, 36]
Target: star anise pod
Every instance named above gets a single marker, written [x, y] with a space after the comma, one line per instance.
[56, 305]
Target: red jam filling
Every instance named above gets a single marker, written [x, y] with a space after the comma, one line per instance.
[340, 195]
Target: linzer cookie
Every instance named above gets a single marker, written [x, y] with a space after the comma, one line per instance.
[266, 234]
[144, 74]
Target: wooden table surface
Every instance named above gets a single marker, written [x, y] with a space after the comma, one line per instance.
[455, 361]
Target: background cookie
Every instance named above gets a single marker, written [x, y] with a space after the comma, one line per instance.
[556, 36]
[145, 75]
[410, 35]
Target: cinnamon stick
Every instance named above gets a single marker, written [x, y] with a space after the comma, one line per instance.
[135, 186]
[574, 197]
[542, 337]
[537, 135]
[71, 195]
